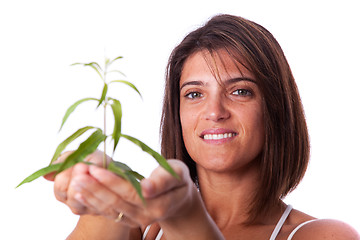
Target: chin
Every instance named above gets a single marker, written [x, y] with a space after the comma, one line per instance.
[224, 164]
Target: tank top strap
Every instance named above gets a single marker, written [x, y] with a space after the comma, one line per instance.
[158, 237]
[281, 222]
[298, 227]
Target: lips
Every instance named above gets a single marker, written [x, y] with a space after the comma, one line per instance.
[217, 135]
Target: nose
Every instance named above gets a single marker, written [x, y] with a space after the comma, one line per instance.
[216, 109]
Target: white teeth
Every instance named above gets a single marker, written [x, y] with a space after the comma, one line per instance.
[218, 136]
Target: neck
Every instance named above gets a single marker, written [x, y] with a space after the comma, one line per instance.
[236, 190]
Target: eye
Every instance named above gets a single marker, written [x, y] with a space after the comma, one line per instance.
[193, 95]
[242, 92]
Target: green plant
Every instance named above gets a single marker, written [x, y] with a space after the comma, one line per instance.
[99, 135]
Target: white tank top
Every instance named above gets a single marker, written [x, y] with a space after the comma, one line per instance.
[274, 234]
[282, 221]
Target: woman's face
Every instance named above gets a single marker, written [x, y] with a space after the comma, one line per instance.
[222, 120]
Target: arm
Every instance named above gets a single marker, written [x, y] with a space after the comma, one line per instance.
[98, 227]
[182, 213]
[195, 223]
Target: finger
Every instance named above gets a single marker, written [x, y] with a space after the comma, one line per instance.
[93, 194]
[128, 200]
[62, 180]
[125, 220]
[61, 184]
[169, 203]
[51, 176]
[102, 201]
[101, 205]
[116, 184]
[75, 199]
[97, 158]
[161, 181]
[78, 206]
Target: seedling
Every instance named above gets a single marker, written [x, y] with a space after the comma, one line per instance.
[99, 135]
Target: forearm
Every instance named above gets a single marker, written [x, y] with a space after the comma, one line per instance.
[196, 224]
[97, 227]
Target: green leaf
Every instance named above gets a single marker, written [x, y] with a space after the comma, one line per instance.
[87, 147]
[124, 171]
[125, 168]
[96, 67]
[93, 65]
[136, 175]
[118, 168]
[67, 141]
[117, 71]
[122, 166]
[160, 159]
[117, 58]
[117, 112]
[72, 108]
[127, 83]
[103, 94]
[41, 172]
[106, 62]
[77, 64]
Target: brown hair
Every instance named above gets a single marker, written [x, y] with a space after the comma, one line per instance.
[285, 154]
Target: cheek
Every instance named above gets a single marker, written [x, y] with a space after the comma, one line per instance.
[186, 122]
[257, 129]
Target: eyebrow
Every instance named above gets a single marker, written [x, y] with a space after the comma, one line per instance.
[238, 79]
[192, 83]
[226, 82]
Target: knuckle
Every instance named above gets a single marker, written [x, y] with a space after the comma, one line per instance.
[60, 196]
[103, 208]
[78, 210]
[131, 196]
[107, 208]
[112, 200]
[107, 211]
[62, 179]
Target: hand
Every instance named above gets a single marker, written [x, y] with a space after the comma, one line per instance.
[166, 197]
[174, 203]
[62, 180]
[96, 158]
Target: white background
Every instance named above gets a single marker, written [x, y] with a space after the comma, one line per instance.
[40, 39]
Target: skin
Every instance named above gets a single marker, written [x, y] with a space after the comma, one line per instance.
[232, 107]
[227, 170]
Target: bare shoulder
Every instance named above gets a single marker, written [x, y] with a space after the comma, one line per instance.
[327, 229]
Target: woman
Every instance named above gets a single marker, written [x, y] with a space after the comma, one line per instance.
[233, 118]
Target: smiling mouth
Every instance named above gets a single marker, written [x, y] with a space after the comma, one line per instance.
[218, 136]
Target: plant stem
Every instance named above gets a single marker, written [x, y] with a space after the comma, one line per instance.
[104, 156]
[105, 105]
